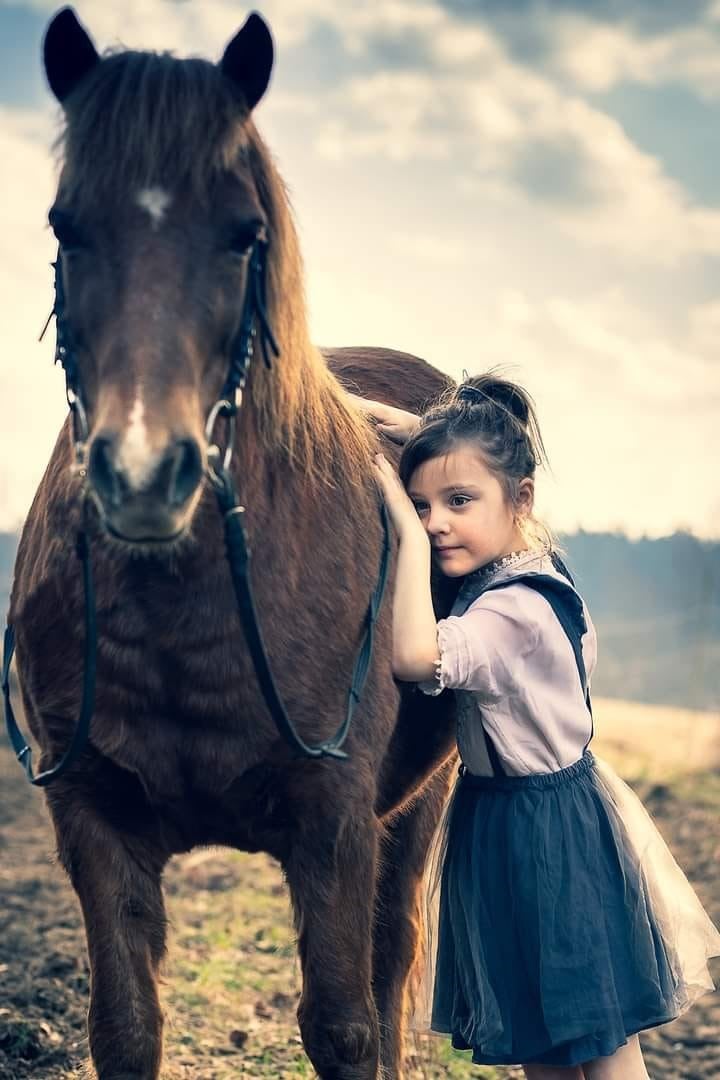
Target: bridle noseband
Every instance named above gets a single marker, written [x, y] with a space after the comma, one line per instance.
[254, 323]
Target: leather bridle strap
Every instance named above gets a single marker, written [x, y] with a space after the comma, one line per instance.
[238, 553]
[66, 356]
[20, 745]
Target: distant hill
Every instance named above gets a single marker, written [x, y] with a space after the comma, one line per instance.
[655, 605]
[8, 544]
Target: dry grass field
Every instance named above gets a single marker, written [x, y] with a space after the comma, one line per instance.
[232, 979]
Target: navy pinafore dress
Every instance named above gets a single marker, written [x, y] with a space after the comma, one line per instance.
[548, 948]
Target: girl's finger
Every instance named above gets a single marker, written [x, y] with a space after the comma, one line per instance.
[388, 479]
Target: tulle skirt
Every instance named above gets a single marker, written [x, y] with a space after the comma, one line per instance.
[558, 921]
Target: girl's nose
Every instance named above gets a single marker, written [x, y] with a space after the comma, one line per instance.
[436, 523]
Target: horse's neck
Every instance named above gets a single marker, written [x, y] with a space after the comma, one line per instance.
[298, 511]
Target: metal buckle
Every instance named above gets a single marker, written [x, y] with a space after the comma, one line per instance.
[81, 429]
[218, 461]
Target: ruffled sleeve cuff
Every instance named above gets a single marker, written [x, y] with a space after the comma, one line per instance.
[464, 660]
[455, 664]
[435, 686]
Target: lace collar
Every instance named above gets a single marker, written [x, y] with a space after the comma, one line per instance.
[514, 560]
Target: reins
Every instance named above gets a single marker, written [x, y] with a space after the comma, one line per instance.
[23, 750]
[254, 323]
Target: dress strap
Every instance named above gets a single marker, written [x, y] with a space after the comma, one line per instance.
[568, 609]
[561, 567]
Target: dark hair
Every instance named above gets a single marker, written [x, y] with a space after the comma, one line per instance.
[494, 414]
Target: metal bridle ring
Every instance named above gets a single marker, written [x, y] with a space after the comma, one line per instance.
[80, 427]
[228, 411]
[79, 415]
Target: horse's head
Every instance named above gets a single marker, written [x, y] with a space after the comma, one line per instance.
[158, 209]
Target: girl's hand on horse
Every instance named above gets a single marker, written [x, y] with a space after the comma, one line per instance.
[400, 507]
[396, 424]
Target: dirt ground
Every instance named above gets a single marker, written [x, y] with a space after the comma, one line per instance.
[232, 982]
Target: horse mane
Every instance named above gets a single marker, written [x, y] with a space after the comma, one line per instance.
[144, 119]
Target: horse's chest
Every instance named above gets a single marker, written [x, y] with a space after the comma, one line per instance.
[183, 665]
[177, 701]
[172, 700]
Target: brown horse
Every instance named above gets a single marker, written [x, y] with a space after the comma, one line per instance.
[165, 187]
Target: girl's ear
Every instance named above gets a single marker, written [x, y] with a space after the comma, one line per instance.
[525, 497]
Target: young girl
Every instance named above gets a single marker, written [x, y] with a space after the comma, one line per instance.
[564, 926]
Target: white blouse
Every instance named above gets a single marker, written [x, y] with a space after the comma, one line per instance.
[516, 666]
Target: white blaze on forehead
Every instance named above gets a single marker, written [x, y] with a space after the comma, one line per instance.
[155, 201]
[135, 456]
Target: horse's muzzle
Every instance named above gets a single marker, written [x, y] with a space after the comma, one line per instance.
[145, 500]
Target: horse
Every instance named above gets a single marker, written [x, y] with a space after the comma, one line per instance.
[166, 191]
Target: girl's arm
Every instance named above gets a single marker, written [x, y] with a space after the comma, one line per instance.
[397, 424]
[415, 649]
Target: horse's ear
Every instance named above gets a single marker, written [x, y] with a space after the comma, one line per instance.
[68, 52]
[248, 59]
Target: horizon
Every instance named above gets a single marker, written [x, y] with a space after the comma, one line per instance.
[615, 534]
[533, 185]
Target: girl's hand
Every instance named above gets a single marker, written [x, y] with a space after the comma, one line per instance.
[397, 424]
[400, 507]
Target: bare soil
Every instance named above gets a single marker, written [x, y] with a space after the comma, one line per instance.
[232, 980]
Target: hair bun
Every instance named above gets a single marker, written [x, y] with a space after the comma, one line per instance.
[509, 397]
[468, 392]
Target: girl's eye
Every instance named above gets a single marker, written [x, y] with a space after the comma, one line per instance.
[421, 508]
[459, 500]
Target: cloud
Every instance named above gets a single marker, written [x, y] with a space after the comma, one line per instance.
[26, 287]
[510, 127]
[460, 204]
[595, 45]
[188, 28]
[647, 14]
[203, 28]
[596, 56]
[628, 413]
[704, 330]
[644, 366]
[428, 247]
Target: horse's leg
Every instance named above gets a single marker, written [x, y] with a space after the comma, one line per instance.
[399, 916]
[117, 879]
[331, 874]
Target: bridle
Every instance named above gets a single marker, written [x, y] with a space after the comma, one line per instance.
[254, 323]
[241, 354]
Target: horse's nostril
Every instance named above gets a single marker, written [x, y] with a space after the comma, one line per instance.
[169, 479]
[186, 471]
[102, 469]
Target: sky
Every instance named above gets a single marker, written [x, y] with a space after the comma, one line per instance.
[534, 186]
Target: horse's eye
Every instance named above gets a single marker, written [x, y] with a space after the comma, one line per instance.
[66, 232]
[242, 237]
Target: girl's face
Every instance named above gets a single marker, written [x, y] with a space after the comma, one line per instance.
[465, 511]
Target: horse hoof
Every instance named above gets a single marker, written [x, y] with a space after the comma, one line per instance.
[343, 1051]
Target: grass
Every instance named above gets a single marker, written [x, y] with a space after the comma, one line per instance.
[233, 980]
